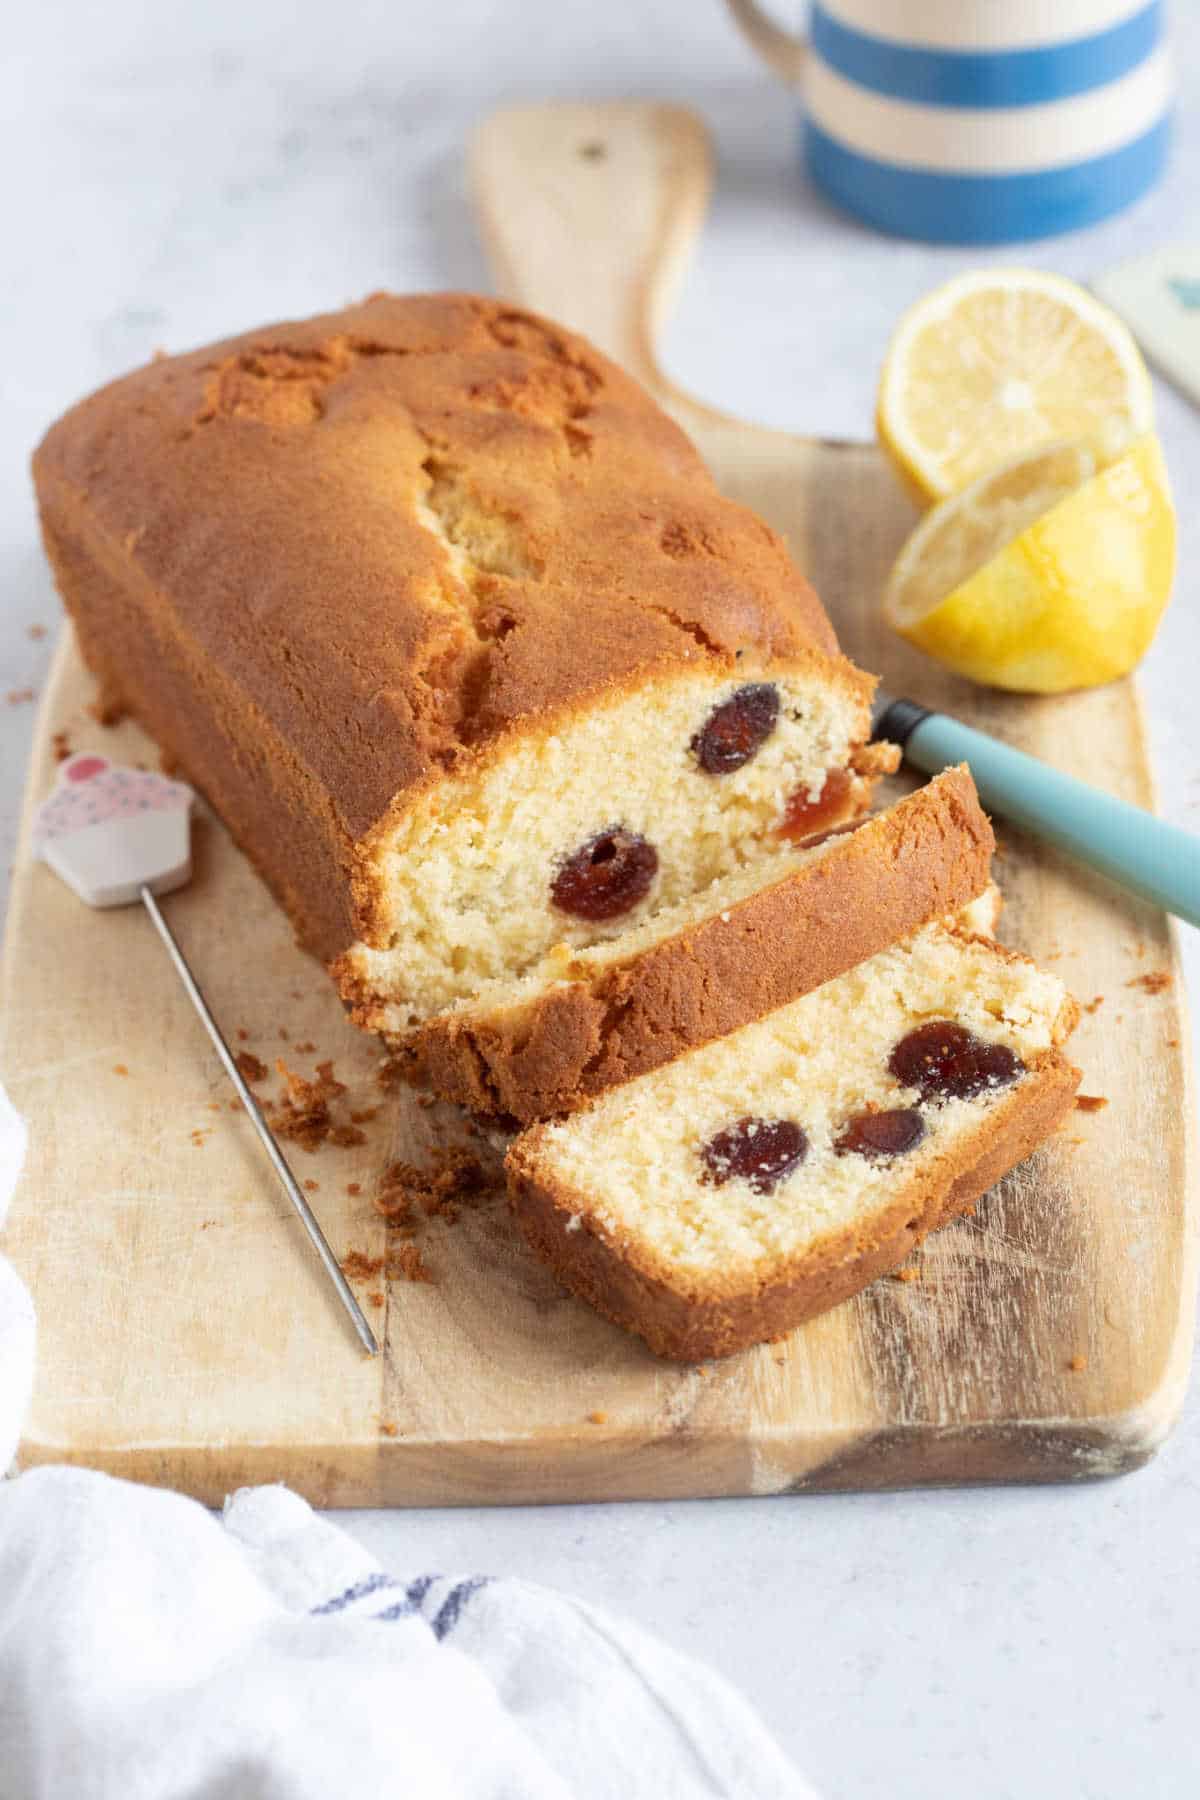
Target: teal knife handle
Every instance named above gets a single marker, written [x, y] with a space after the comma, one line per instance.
[1132, 847]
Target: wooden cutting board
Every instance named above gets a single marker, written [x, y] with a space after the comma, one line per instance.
[185, 1334]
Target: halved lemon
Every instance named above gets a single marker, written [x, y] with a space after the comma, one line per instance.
[998, 362]
[1050, 573]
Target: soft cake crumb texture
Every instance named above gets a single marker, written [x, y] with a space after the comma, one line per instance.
[635, 1152]
[774, 861]
[465, 875]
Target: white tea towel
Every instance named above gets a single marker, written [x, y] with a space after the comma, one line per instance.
[150, 1651]
[16, 1308]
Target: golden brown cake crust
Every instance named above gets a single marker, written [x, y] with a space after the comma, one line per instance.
[690, 1321]
[549, 1054]
[239, 536]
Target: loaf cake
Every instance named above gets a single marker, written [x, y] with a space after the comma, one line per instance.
[583, 1020]
[758, 1180]
[453, 628]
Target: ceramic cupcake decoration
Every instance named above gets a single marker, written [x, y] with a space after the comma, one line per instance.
[108, 831]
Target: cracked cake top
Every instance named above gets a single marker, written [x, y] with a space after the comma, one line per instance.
[492, 508]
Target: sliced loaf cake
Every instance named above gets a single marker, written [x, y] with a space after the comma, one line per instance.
[453, 628]
[583, 1020]
[723, 1199]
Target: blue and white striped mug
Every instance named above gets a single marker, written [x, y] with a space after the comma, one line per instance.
[977, 121]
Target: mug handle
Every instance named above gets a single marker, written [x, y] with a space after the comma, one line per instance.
[784, 50]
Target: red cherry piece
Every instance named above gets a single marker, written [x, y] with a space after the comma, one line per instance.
[762, 1152]
[945, 1061]
[804, 818]
[881, 1133]
[737, 729]
[605, 877]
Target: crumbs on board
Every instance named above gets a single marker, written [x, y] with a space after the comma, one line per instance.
[1154, 981]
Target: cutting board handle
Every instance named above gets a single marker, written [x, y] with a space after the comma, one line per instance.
[589, 213]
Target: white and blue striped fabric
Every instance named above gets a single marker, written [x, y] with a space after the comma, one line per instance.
[149, 1651]
[986, 122]
[152, 1651]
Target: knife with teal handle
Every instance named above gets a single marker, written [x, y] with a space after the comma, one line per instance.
[1133, 848]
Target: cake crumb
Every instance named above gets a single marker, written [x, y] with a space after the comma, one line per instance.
[346, 1137]
[390, 1074]
[597, 1418]
[403, 1262]
[1090, 1102]
[1172, 1043]
[249, 1066]
[312, 1186]
[243, 1036]
[356, 1265]
[1094, 1004]
[354, 1187]
[375, 1297]
[411, 1264]
[303, 1113]
[908, 1275]
[387, 1428]
[120, 1069]
[1154, 981]
[440, 1190]
[1077, 1364]
[60, 745]
[235, 1105]
[20, 696]
[37, 631]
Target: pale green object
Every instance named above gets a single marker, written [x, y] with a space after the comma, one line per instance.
[1131, 847]
[1158, 296]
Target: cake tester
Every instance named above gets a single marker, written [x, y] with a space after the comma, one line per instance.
[116, 835]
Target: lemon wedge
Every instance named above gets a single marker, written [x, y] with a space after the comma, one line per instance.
[1049, 573]
[998, 362]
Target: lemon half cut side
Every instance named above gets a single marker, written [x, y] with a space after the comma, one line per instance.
[1050, 573]
[998, 362]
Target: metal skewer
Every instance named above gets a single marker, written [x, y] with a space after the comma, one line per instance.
[266, 1136]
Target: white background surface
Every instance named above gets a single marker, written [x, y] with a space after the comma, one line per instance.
[177, 171]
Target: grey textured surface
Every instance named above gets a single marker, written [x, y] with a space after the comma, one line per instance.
[175, 173]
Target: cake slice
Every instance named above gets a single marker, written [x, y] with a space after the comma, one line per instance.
[723, 1199]
[587, 1019]
[453, 628]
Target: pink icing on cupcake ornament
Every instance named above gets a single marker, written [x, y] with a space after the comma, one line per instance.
[110, 831]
